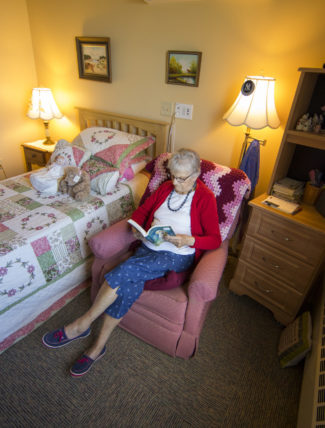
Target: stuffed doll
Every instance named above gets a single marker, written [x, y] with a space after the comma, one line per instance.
[76, 183]
[47, 180]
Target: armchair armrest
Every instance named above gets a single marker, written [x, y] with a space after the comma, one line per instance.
[112, 241]
[205, 279]
[203, 288]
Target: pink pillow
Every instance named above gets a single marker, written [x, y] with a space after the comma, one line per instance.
[128, 174]
[122, 156]
[95, 167]
[171, 280]
[73, 155]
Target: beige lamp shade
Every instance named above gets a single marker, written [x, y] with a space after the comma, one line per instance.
[42, 105]
[254, 106]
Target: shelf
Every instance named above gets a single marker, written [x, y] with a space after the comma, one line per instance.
[308, 139]
[312, 70]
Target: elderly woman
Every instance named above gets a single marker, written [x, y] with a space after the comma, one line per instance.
[189, 207]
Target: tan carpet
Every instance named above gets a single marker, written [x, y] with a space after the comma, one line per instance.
[233, 381]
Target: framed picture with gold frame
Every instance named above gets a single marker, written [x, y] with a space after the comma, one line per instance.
[94, 58]
[183, 68]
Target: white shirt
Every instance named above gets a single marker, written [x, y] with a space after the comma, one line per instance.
[180, 221]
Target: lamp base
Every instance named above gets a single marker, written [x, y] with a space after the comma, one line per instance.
[48, 142]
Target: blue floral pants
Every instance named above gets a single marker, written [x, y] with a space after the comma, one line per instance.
[131, 275]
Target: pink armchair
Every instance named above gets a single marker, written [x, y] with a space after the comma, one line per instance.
[172, 319]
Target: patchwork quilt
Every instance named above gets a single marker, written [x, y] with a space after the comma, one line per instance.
[44, 252]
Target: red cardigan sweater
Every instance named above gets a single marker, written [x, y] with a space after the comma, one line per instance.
[204, 215]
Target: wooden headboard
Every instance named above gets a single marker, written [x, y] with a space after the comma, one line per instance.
[130, 124]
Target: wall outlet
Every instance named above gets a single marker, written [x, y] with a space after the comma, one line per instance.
[184, 111]
[166, 108]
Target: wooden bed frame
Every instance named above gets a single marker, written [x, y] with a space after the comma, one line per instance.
[131, 124]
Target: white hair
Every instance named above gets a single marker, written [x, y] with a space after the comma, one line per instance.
[185, 160]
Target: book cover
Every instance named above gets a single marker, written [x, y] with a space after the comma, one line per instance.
[155, 234]
[282, 205]
[288, 184]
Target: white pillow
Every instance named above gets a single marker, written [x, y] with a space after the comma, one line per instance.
[98, 138]
[105, 183]
[74, 155]
[137, 167]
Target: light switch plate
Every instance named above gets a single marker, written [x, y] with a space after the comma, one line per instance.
[166, 108]
[184, 111]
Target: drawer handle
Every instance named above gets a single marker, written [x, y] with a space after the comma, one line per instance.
[261, 288]
[285, 238]
[271, 264]
[34, 155]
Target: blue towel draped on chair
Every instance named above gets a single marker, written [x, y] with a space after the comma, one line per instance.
[250, 163]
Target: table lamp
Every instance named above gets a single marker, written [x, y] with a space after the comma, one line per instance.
[42, 106]
[254, 107]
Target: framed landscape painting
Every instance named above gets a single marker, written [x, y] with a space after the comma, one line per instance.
[94, 58]
[183, 68]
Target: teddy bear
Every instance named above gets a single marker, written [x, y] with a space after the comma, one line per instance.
[76, 183]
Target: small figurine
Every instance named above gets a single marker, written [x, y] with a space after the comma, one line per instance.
[304, 123]
[317, 123]
[47, 180]
[313, 123]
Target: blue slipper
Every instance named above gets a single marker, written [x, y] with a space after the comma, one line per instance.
[84, 364]
[58, 338]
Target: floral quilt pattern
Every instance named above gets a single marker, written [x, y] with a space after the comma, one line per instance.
[44, 238]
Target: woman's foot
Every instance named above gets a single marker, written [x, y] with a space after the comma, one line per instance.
[59, 338]
[84, 364]
[76, 328]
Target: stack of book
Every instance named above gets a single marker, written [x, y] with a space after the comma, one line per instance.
[288, 189]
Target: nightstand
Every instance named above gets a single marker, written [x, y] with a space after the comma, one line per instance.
[282, 255]
[37, 153]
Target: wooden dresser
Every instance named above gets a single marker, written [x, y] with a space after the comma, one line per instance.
[282, 254]
[280, 258]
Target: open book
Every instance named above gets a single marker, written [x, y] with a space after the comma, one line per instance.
[155, 234]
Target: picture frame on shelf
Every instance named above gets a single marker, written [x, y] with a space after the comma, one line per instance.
[183, 68]
[94, 58]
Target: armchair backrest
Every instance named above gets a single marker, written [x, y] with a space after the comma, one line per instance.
[229, 185]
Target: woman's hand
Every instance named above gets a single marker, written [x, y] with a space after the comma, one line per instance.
[180, 240]
[137, 234]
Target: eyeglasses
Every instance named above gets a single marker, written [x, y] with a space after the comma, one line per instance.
[180, 179]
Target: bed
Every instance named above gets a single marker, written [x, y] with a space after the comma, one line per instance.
[45, 260]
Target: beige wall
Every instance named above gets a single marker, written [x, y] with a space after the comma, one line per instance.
[17, 77]
[237, 38]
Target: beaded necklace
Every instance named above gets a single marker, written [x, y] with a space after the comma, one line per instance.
[182, 204]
